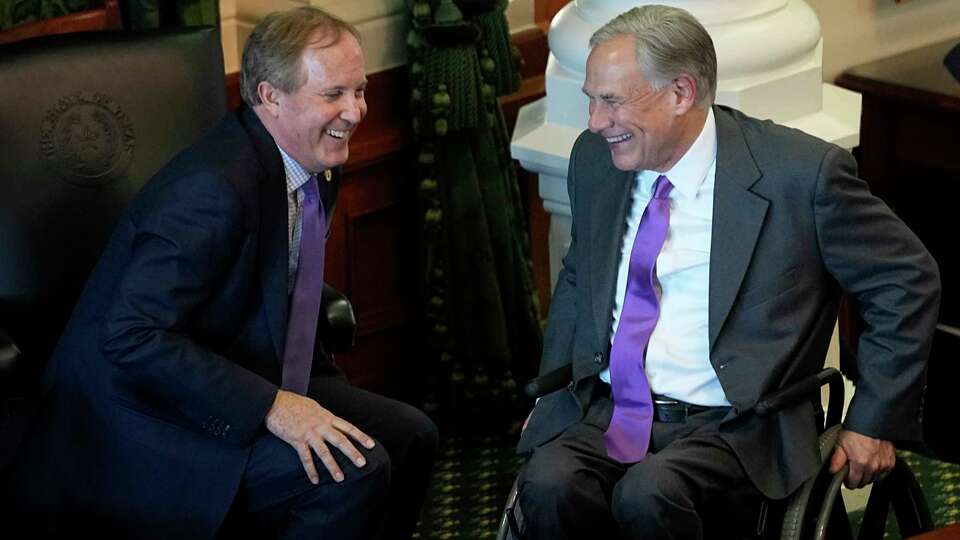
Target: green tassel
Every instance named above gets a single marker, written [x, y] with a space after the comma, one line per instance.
[458, 68]
[495, 33]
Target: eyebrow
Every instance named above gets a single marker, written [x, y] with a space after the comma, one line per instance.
[362, 85]
[605, 96]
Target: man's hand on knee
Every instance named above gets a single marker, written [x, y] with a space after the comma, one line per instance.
[303, 424]
[870, 459]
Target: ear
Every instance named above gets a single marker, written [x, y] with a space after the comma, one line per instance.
[269, 97]
[685, 93]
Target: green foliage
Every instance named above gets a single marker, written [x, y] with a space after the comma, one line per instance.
[14, 12]
[137, 13]
[167, 13]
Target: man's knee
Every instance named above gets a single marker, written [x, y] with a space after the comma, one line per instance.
[549, 475]
[647, 492]
[376, 471]
[425, 437]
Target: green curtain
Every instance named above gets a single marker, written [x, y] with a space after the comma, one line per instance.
[14, 12]
[169, 13]
[482, 326]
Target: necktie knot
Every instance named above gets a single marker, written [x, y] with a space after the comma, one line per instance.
[662, 187]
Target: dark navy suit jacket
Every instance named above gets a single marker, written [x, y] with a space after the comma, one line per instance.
[171, 358]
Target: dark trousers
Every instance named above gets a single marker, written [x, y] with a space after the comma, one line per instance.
[383, 498]
[570, 488]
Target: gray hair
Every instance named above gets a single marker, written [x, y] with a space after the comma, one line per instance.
[273, 51]
[670, 42]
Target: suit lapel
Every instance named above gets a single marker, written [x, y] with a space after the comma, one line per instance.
[611, 199]
[738, 216]
[273, 250]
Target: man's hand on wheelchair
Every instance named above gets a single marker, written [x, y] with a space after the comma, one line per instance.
[870, 459]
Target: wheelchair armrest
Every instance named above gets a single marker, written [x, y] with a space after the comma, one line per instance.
[549, 381]
[803, 389]
[9, 356]
[339, 325]
[946, 329]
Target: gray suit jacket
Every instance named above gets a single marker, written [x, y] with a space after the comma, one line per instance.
[793, 226]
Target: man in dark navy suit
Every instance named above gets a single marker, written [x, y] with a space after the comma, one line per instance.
[174, 398]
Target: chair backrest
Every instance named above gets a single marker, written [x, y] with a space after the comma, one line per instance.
[85, 120]
[105, 17]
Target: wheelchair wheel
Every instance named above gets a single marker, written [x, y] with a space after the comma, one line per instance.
[816, 510]
[508, 520]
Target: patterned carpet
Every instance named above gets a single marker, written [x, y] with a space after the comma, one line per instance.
[940, 482]
[474, 475]
[470, 484]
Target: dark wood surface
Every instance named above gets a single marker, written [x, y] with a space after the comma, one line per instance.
[950, 532]
[917, 76]
[106, 17]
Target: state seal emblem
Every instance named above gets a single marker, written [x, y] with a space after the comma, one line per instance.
[87, 139]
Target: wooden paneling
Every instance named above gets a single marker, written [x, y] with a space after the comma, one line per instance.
[106, 17]
[544, 10]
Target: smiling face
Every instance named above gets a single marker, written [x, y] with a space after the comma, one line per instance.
[314, 123]
[645, 128]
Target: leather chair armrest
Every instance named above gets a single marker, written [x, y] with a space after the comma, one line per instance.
[338, 325]
[549, 382]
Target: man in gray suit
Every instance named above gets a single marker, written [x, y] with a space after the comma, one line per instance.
[762, 228]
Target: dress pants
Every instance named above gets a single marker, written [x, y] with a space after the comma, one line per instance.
[570, 488]
[381, 499]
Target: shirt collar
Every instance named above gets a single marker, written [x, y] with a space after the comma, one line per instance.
[297, 176]
[688, 174]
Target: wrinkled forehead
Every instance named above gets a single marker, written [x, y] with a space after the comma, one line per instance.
[613, 70]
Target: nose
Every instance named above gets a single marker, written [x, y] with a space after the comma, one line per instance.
[599, 117]
[355, 110]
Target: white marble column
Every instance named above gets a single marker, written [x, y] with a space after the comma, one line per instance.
[769, 55]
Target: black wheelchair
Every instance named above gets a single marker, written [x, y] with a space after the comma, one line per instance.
[816, 509]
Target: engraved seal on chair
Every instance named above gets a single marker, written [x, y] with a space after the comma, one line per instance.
[87, 138]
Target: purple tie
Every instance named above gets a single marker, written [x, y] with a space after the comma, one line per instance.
[628, 436]
[305, 305]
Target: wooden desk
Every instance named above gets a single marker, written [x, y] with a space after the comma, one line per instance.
[950, 532]
[910, 149]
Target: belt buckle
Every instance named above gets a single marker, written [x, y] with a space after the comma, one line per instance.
[671, 411]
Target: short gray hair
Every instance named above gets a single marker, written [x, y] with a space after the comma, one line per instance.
[273, 51]
[670, 42]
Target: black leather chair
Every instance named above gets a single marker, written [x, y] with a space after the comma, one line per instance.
[815, 510]
[85, 120]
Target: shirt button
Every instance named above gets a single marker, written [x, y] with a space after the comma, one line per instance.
[598, 358]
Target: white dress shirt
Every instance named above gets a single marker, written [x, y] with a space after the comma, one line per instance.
[678, 355]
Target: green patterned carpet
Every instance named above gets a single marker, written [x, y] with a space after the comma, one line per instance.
[474, 475]
[470, 485]
[940, 482]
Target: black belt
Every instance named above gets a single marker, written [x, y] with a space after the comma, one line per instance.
[672, 411]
